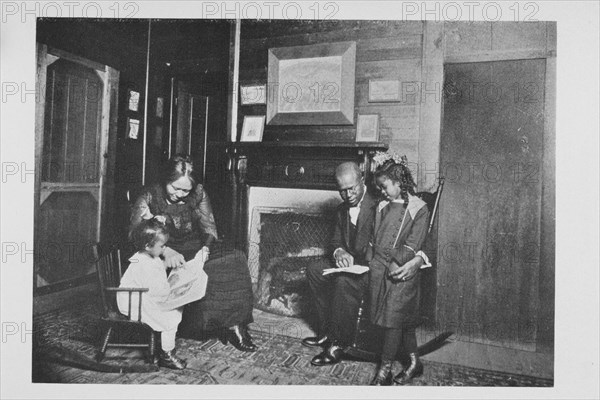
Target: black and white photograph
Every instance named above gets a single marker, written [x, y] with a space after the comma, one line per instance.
[412, 200]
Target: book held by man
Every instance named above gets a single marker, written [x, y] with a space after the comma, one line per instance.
[355, 269]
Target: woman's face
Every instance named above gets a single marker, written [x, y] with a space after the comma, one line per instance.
[179, 189]
[390, 189]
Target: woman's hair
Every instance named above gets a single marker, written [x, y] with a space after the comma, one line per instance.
[148, 232]
[178, 166]
[397, 172]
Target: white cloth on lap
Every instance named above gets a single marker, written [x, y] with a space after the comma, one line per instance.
[147, 272]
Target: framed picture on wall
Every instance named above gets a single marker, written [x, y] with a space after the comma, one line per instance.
[133, 100]
[252, 128]
[367, 128]
[312, 84]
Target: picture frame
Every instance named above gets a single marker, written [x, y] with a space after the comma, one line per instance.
[133, 100]
[384, 91]
[253, 94]
[311, 85]
[252, 128]
[367, 128]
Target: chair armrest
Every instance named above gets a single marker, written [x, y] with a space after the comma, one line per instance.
[130, 290]
[125, 289]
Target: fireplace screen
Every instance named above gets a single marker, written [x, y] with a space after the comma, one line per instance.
[283, 242]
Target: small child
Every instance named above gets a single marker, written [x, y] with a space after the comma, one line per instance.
[147, 270]
[400, 229]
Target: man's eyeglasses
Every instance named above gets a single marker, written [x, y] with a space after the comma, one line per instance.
[351, 190]
[180, 190]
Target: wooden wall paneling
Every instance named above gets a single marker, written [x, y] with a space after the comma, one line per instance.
[430, 119]
[509, 35]
[497, 41]
[392, 48]
[407, 70]
[409, 94]
[403, 117]
[407, 147]
[467, 37]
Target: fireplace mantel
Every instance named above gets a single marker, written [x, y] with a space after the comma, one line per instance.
[290, 164]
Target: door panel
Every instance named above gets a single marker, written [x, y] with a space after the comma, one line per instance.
[489, 226]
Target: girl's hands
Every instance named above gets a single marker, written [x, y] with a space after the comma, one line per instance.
[203, 254]
[173, 259]
[406, 272]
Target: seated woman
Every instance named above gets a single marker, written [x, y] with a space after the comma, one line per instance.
[185, 207]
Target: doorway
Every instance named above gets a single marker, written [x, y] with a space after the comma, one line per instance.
[74, 129]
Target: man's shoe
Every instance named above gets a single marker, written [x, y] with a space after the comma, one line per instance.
[414, 370]
[168, 359]
[316, 341]
[330, 356]
[383, 376]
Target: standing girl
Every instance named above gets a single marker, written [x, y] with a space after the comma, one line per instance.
[400, 229]
[147, 270]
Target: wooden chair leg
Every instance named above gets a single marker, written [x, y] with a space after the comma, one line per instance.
[152, 348]
[104, 345]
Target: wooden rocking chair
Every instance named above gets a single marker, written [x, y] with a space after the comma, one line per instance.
[110, 271]
[368, 338]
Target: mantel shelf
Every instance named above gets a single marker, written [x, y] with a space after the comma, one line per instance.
[309, 144]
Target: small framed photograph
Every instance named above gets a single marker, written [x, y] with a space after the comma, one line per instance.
[253, 94]
[133, 128]
[133, 100]
[367, 128]
[381, 91]
[252, 129]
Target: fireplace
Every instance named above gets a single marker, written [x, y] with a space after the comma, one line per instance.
[288, 230]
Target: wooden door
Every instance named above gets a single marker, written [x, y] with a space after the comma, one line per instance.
[489, 224]
[71, 164]
[192, 125]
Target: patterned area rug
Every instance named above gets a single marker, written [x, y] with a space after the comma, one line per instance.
[280, 360]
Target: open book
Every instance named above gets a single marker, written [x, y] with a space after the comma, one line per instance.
[188, 284]
[355, 269]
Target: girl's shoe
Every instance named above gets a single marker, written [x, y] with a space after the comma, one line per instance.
[383, 376]
[168, 359]
[414, 370]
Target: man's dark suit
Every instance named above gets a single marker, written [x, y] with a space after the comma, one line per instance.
[338, 296]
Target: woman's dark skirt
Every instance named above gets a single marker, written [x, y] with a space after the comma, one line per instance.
[228, 299]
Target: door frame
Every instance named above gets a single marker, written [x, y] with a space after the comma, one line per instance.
[103, 191]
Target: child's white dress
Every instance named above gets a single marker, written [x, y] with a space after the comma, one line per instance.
[148, 272]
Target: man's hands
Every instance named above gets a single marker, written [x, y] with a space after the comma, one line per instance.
[406, 272]
[343, 259]
[173, 259]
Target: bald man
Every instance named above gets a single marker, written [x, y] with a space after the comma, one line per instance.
[338, 296]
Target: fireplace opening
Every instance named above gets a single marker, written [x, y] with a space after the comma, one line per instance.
[283, 243]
